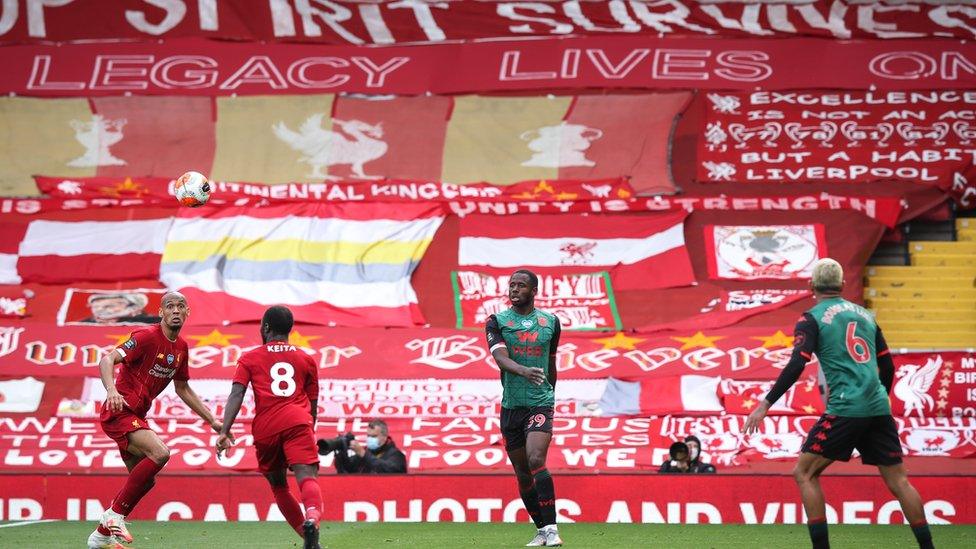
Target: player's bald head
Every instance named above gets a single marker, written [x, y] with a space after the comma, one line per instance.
[171, 295]
[828, 276]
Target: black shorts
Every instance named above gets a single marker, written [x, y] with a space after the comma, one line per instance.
[875, 437]
[518, 422]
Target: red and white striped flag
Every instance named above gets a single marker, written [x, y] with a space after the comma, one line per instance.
[56, 252]
[690, 394]
[642, 251]
[331, 264]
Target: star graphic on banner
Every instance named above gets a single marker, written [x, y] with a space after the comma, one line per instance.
[943, 393]
[949, 364]
[945, 382]
[128, 187]
[748, 404]
[779, 339]
[119, 338]
[214, 338]
[942, 402]
[809, 409]
[697, 340]
[619, 341]
[947, 372]
[297, 339]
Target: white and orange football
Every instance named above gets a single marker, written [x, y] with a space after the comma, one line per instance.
[193, 189]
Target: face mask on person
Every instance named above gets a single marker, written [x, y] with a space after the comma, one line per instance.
[373, 443]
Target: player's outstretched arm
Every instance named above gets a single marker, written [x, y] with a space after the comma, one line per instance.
[234, 401]
[189, 396]
[106, 368]
[804, 344]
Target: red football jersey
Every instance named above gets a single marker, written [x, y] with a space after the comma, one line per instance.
[149, 362]
[285, 381]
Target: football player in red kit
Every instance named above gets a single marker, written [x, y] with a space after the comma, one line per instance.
[286, 391]
[150, 359]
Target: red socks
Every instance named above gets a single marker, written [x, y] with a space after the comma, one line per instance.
[312, 498]
[141, 480]
[289, 507]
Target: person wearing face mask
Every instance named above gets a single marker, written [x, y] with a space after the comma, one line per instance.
[695, 464]
[379, 455]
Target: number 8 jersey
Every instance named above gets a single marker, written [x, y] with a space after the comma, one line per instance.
[285, 384]
[847, 342]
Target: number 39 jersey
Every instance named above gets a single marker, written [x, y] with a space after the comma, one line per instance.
[285, 383]
[847, 342]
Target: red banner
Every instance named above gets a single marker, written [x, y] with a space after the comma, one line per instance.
[581, 302]
[626, 444]
[358, 23]
[387, 190]
[667, 499]
[600, 196]
[731, 307]
[200, 67]
[934, 384]
[926, 137]
[349, 353]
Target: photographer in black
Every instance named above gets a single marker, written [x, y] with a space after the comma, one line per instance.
[378, 455]
[679, 461]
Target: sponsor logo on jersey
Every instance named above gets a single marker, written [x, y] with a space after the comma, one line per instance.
[527, 337]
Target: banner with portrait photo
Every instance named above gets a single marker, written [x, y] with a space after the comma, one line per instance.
[580, 301]
[135, 307]
[762, 252]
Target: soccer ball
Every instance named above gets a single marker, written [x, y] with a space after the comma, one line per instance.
[192, 189]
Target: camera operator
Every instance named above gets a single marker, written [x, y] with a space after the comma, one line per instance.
[680, 462]
[378, 455]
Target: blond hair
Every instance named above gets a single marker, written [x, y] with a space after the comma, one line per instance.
[828, 275]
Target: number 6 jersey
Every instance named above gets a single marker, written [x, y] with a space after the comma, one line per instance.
[847, 342]
[285, 384]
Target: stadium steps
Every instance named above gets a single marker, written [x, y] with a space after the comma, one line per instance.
[942, 248]
[924, 272]
[924, 304]
[907, 325]
[929, 300]
[917, 339]
[943, 260]
[894, 314]
[914, 292]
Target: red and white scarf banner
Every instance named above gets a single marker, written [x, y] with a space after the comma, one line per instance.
[842, 137]
[209, 68]
[119, 245]
[610, 498]
[468, 444]
[386, 190]
[380, 23]
[598, 196]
